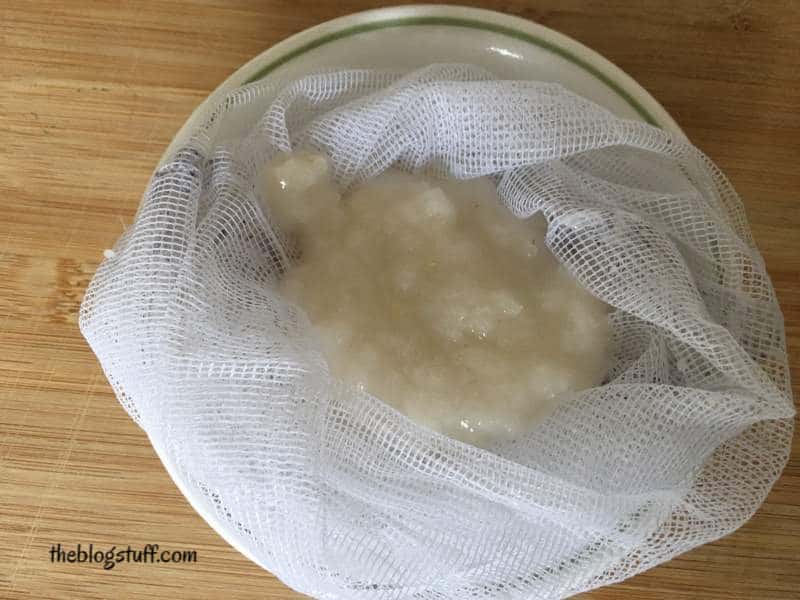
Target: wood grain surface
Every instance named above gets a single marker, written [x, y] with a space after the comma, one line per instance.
[91, 93]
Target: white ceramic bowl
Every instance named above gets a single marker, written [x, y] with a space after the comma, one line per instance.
[415, 36]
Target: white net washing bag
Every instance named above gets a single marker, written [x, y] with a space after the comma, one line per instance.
[343, 497]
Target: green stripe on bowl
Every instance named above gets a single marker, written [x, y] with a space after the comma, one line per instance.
[456, 22]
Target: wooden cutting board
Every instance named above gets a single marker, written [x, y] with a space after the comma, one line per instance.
[91, 93]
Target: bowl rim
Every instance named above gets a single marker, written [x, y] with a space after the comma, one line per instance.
[623, 85]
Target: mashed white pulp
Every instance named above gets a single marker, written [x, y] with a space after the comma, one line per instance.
[430, 295]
